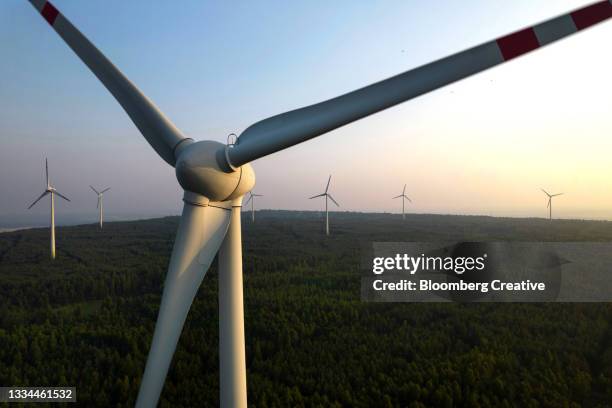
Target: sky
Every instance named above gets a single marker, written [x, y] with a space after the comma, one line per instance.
[485, 145]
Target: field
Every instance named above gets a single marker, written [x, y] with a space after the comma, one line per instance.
[87, 319]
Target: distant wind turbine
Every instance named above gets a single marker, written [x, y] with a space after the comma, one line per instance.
[252, 200]
[404, 197]
[550, 196]
[326, 195]
[100, 194]
[50, 190]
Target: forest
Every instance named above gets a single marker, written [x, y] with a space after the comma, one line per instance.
[87, 318]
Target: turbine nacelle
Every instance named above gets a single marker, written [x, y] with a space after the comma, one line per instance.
[200, 169]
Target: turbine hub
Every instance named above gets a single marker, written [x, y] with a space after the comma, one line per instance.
[198, 170]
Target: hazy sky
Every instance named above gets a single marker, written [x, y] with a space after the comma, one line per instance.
[482, 146]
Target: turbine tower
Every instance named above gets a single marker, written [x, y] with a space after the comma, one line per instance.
[326, 195]
[50, 190]
[404, 197]
[215, 176]
[252, 200]
[550, 196]
[99, 207]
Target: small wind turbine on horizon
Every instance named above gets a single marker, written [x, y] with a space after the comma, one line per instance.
[404, 197]
[50, 190]
[100, 194]
[326, 195]
[252, 200]
[550, 196]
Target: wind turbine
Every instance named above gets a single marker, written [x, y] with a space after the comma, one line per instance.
[252, 200]
[216, 176]
[550, 196]
[99, 207]
[326, 195]
[404, 197]
[50, 190]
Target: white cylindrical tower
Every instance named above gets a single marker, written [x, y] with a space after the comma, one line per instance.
[232, 360]
[52, 225]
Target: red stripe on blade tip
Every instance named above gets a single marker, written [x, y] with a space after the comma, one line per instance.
[593, 14]
[515, 44]
[49, 12]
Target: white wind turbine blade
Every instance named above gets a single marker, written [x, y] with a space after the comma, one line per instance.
[545, 192]
[249, 199]
[549, 199]
[328, 181]
[288, 129]
[98, 205]
[47, 171]
[558, 194]
[38, 199]
[94, 190]
[105, 190]
[404, 190]
[407, 198]
[159, 131]
[199, 237]
[320, 195]
[57, 192]
[397, 196]
[332, 198]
